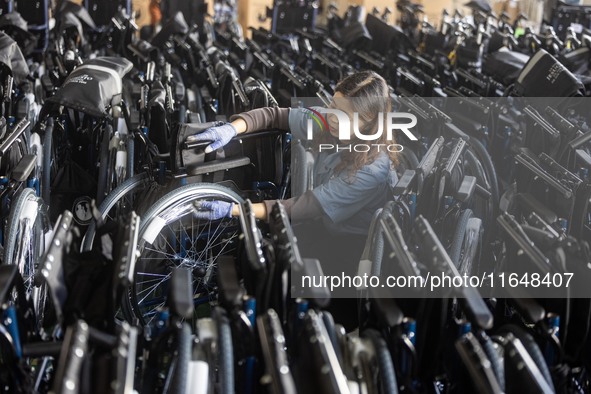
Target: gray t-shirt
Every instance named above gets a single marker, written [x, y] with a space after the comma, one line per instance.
[349, 201]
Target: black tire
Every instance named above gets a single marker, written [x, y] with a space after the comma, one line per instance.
[177, 198]
[489, 169]
[496, 361]
[455, 250]
[16, 208]
[47, 159]
[131, 184]
[387, 373]
[482, 208]
[130, 157]
[532, 348]
[35, 247]
[183, 358]
[329, 324]
[225, 353]
[102, 181]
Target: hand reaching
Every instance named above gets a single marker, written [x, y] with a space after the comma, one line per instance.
[219, 135]
[212, 210]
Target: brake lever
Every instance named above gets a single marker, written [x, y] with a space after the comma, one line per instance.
[330, 374]
[275, 357]
[125, 356]
[535, 220]
[126, 256]
[393, 234]
[562, 123]
[52, 268]
[515, 231]
[454, 157]
[288, 256]
[428, 162]
[582, 139]
[539, 119]
[239, 89]
[440, 261]
[477, 364]
[73, 352]
[252, 238]
[285, 242]
[526, 374]
[8, 84]
[447, 170]
[564, 174]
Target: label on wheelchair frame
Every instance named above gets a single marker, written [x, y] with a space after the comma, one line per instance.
[502, 182]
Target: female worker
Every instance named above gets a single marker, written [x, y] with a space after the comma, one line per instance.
[349, 184]
[330, 221]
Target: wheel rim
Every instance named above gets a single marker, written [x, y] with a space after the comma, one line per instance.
[181, 241]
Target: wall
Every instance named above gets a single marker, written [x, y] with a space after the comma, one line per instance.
[141, 6]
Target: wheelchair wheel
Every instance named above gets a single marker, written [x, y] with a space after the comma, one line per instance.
[104, 168]
[225, 352]
[170, 236]
[181, 369]
[25, 241]
[458, 239]
[47, 161]
[118, 202]
[387, 373]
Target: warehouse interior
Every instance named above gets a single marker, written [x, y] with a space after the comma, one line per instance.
[295, 196]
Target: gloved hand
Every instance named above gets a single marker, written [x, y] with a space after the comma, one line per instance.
[219, 135]
[212, 210]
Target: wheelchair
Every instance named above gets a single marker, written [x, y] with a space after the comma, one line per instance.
[250, 167]
[78, 127]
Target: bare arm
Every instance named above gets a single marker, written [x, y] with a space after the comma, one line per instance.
[259, 119]
[259, 208]
[240, 125]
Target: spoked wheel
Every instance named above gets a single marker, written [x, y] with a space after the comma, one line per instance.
[170, 236]
[25, 242]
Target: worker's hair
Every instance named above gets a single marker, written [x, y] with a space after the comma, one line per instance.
[371, 96]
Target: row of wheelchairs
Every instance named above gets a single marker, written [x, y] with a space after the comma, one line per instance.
[167, 301]
[112, 143]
